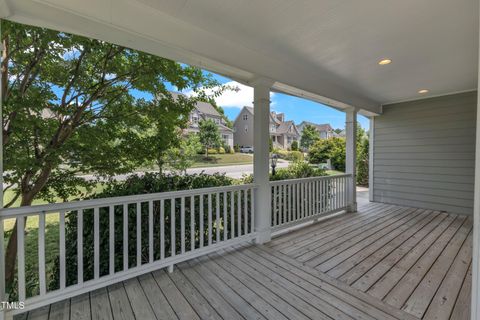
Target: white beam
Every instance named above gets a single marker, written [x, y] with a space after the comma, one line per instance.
[475, 306]
[261, 173]
[351, 156]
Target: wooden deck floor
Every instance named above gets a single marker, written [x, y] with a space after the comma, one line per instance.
[384, 262]
[415, 260]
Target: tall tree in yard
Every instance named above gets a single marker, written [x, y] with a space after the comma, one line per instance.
[69, 108]
[209, 135]
[309, 136]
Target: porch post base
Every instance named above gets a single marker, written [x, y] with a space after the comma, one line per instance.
[352, 208]
[263, 236]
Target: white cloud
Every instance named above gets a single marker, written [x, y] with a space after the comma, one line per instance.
[234, 99]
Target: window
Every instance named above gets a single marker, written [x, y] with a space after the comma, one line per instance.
[272, 127]
[245, 117]
[225, 137]
[289, 139]
[217, 121]
[246, 128]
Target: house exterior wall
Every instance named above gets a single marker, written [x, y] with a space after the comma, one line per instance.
[243, 129]
[424, 153]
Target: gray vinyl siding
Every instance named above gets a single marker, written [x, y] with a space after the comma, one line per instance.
[424, 153]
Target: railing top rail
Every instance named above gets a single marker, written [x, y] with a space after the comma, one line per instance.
[292, 181]
[105, 202]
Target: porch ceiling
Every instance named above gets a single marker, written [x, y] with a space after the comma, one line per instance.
[326, 50]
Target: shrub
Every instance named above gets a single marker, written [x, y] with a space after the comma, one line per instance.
[221, 150]
[362, 162]
[296, 170]
[294, 145]
[134, 185]
[295, 156]
[212, 151]
[332, 148]
[236, 148]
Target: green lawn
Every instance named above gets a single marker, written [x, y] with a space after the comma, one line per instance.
[334, 172]
[222, 160]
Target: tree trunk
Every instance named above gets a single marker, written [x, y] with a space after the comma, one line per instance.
[11, 253]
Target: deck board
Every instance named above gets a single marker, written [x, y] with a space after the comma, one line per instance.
[384, 262]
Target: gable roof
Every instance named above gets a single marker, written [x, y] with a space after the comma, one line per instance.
[319, 127]
[284, 126]
[201, 106]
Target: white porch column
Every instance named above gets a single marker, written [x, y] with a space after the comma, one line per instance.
[261, 173]
[351, 157]
[475, 311]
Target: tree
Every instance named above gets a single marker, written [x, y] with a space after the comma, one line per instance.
[69, 108]
[309, 136]
[294, 145]
[209, 135]
[182, 157]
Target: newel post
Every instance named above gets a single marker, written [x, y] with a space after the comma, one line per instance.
[351, 157]
[261, 175]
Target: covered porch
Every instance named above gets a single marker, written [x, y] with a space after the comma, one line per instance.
[291, 249]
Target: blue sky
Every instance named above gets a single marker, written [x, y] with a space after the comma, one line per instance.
[295, 109]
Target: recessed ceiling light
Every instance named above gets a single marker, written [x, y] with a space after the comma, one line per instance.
[384, 62]
[423, 91]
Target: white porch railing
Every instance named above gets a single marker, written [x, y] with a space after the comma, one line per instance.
[299, 200]
[130, 236]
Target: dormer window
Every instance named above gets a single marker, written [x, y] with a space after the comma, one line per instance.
[245, 117]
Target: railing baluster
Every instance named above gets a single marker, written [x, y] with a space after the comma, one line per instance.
[21, 257]
[111, 239]
[252, 210]
[172, 228]
[96, 243]
[232, 215]
[245, 211]
[209, 219]
[274, 208]
[182, 224]
[192, 223]
[41, 253]
[80, 246]
[225, 222]
[239, 212]
[294, 201]
[290, 210]
[62, 250]
[162, 229]
[150, 231]
[139, 233]
[125, 236]
[217, 217]
[310, 199]
[202, 231]
[284, 204]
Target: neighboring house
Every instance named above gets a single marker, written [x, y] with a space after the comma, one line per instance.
[206, 111]
[282, 132]
[325, 130]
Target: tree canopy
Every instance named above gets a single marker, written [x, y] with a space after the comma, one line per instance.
[310, 134]
[76, 105]
[209, 135]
